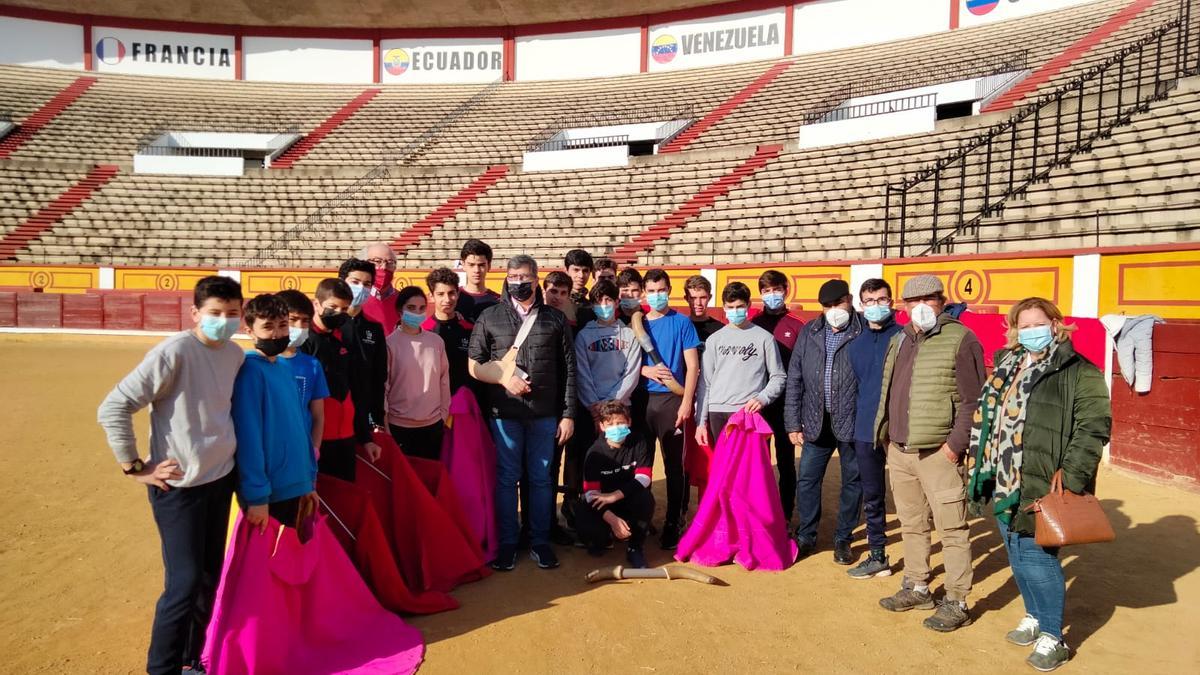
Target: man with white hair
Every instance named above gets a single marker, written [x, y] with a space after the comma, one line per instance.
[381, 306]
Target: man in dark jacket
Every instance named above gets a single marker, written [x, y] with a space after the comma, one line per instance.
[819, 415]
[366, 340]
[530, 413]
[866, 357]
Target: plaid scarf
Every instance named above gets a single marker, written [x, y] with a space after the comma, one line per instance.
[998, 428]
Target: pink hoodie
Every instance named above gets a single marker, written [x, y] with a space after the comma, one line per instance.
[418, 382]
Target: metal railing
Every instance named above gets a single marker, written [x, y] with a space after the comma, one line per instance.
[667, 131]
[293, 238]
[893, 105]
[608, 118]
[920, 76]
[583, 143]
[188, 151]
[926, 212]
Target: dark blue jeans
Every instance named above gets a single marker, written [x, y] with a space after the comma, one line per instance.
[524, 451]
[871, 461]
[191, 524]
[813, 462]
[1039, 577]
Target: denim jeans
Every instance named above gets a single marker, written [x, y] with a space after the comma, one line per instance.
[1039, 577]
[871, 460]
[813, 461]
[524, 451]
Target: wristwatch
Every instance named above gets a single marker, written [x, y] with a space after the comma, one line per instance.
[138, 466]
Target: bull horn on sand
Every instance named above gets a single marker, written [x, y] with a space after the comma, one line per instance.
[673, 572]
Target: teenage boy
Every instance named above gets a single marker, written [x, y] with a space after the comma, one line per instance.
[698, 293]
[785, 328]
[867, 352]
[187, 380]
[608, 366]
[476, 260]
[556, 288]
[742, 368]
[532, 411]
[579, 267]
[617, 471]
[367, 342]
[448, 324]
[277, 469]
[629, 285]
[819, 414]
[667, 413]
[606, 269]
[344, 429]
[381, 305]
[310, 378]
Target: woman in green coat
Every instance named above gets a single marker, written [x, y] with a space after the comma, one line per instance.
[1043, 409]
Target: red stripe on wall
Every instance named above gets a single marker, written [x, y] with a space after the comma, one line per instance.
[789, 28]
[87, 45]
[376, 76]
[954, 14]
[644, 60]
[510, 57]
[239, 69]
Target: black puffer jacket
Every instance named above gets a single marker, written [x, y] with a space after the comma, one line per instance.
[804, 399]
[547, 355]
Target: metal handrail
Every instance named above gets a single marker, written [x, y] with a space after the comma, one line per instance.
[893, 105]
[953, 194]
[582, 143]
[188, 151]
[605, 118]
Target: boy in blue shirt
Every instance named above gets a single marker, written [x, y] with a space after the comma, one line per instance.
[310, 376]
[277, 469]
[675, 338]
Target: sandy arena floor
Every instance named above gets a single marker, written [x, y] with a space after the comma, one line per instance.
[80, 571]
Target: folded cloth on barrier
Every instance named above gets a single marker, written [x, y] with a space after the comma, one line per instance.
[470, 458]
[289, 607]
[740, 517]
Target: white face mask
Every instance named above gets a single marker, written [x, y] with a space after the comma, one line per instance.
[837, 317]
[923, 317]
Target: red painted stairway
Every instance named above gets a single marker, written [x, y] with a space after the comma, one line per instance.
[1055, 65]
[449, 209]
[644, 241]
[719, 113]
[51, 214]
[61, 101]
[310, 140]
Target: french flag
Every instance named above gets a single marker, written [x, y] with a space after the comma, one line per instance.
[110, 50]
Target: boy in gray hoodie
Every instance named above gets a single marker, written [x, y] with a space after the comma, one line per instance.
[742, 369]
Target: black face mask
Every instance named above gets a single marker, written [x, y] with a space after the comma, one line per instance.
[521, 291]
[334, 321]
[272, 346]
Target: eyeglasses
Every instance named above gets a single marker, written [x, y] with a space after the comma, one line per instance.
[382, 262]
[882, 302]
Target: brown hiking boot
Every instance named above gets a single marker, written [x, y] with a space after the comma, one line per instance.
[950, 616]
[907, 598]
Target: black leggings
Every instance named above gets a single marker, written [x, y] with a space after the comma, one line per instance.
[661, 411]
[424, 442]
[635, 509]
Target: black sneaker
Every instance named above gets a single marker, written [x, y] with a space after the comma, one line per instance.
[669, 540]
[874, 565]
[543, 555]
[635, 557]
[506, 559]
[841, 553]
[804, 548]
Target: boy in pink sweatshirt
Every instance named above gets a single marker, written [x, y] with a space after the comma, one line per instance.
[417, 394]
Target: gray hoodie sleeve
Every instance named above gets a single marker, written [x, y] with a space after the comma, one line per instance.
[583, 371]
[633, 367]
[707, 368]
[153, 377]
[776, 375]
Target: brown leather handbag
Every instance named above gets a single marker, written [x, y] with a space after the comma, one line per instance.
[1065, 518]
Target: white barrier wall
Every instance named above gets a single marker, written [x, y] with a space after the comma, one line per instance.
[717, 40]
[24, 42]
[979, 12]
[432, 61]
[568, 160]
[313, 60]
[838, 24]
[162, 53]
[565, 56]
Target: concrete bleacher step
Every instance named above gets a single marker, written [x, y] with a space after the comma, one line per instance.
[44, 115]
[55, 211]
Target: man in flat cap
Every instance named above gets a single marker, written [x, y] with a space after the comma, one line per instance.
[819, 407]
[932, 376]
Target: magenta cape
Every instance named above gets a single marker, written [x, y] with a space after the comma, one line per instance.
[288, 607]
[470, 457]
[740, 518]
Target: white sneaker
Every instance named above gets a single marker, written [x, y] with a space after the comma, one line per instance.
[1025, 633]
[1048, 654]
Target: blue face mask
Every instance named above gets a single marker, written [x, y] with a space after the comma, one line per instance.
[736, 316]
[617, 432]
[877, 313]
[605, 312]
[218, 328]
[658, 301]
[297, 336]
[1035, 338]
[773, 300]
[630, 304]
[412, 320]
[361, 293]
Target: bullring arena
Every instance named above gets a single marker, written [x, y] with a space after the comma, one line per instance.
[1010, 149]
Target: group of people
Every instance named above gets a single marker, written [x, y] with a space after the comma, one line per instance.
[582, 385]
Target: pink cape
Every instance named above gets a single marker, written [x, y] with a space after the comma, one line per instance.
[470, 457]
[740, 518]
[288, 607]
